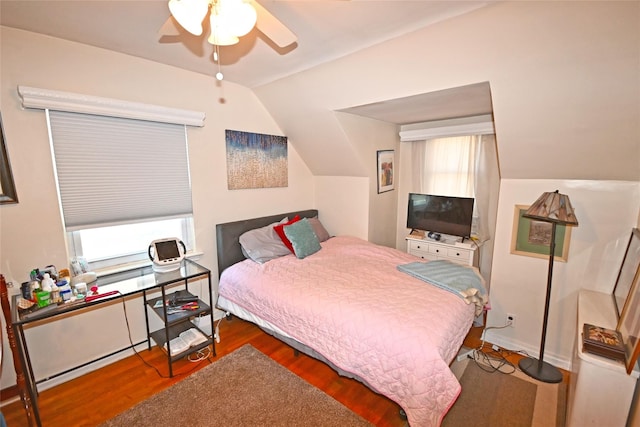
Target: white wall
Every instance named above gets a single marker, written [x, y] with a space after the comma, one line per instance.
[31, 232]
[342, 203]
[606, 212]
[563, 76]
[367, 136]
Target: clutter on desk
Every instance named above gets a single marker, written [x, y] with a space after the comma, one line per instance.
[179, 302]
[42, 298]
[81, 273]
[81, 289]
[25, 304]
[65, 292]
[48, 286]
[47, 283]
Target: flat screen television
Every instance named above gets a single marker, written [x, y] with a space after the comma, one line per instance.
[440, 214]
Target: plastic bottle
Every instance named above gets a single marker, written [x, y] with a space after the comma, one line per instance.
[55, 294]
[65, 292]
[47, 283]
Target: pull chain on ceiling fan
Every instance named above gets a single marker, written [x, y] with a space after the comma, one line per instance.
[228, 20]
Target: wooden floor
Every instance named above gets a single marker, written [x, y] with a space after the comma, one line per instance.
[102, 394]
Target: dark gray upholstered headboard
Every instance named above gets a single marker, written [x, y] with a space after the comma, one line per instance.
[228, 234]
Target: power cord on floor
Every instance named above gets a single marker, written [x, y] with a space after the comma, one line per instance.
[492, 358]
[200, 354]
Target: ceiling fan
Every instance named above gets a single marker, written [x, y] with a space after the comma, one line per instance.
[228, 20]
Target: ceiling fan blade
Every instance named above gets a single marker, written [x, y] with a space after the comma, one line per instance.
[271, 27]
[170, 27]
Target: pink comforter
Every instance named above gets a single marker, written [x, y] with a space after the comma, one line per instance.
[350, 303]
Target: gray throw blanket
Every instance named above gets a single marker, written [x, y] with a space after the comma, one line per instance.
[462, 280]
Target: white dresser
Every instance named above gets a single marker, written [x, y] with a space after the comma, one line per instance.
[462, 253]
[601, 391]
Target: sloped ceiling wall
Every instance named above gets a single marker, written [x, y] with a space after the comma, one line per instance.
[563, 76]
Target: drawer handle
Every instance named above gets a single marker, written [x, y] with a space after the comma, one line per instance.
[457, 253]
[437, 250]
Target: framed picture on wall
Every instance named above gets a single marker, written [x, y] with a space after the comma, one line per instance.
[629, 325]
[7, 187]
[385, 170]
[533, 238]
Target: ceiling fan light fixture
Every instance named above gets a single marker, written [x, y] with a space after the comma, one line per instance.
[189, 14]
[221, 34]
[239, 16]
[221, 39]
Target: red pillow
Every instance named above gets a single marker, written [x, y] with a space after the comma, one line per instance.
[280, 231]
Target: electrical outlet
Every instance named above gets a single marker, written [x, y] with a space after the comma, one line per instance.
[511, 320]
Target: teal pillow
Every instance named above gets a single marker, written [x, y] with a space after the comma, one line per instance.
[303, 238]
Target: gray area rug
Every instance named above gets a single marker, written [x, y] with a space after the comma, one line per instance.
[494, 399]
[243, 388]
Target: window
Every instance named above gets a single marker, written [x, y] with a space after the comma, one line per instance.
[450, 166]
[105, 247]
[447, 167]
[122, 183]
[122, 172]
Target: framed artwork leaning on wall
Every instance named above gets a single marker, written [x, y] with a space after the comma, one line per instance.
[629, 325]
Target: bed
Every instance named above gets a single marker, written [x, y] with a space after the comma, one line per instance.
[349, 305]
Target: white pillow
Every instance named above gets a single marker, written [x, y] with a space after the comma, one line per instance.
[263, 244]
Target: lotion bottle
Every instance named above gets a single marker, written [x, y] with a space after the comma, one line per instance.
[47, 283]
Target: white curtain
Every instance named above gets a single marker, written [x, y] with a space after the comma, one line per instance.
[464, 166]
[486, 165]
[456, 166]
[450, 164]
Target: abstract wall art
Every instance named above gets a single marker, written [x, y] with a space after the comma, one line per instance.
[256, 160]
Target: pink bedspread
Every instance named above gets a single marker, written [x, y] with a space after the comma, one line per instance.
[350, 303]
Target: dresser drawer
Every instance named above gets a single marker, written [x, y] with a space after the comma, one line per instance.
[420, 249]
[458, 253]
[438, 250]
[432, 250]
[415, 245]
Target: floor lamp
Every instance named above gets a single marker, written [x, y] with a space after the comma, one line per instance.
[556, 209]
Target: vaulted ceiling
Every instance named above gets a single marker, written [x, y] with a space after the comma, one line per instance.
[558, 94]
[325, 29]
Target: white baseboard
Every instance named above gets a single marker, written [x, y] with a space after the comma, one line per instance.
[203, 323]
[514, 345]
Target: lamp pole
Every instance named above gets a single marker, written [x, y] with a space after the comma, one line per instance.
[539, 369]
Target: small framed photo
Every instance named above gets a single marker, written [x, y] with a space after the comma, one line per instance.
[533, 238]
[386, 178]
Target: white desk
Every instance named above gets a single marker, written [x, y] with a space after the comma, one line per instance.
[601, 391]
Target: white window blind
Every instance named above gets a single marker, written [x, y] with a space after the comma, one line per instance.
[114, 170]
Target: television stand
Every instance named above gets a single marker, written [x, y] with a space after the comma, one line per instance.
[425, 248]
[445, 238]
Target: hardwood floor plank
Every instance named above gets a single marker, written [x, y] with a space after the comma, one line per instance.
[104, 393]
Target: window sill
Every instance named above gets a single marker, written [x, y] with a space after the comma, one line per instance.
[132, 265]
